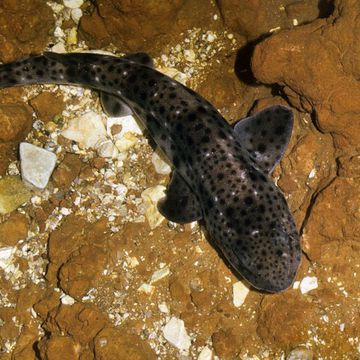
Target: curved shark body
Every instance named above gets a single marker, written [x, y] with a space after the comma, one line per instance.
[221, 174]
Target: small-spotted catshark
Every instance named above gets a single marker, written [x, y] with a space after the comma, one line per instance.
[221, 173]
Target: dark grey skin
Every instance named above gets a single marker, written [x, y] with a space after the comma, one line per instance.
[221, 174]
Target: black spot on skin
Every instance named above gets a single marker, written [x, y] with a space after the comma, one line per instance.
[161, 109]
[205, 139]
[262, 148]
[191, 116]
[229, 211]
[39, 73]
[163, 137]
[199, 126]
[70, 72]
[176, 161]
[220, 176]
[172, 95]
[248, 200]
[132, 78]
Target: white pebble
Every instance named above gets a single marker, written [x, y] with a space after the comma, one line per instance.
[6, 256]
[146, 288]
[300, 353]
[76, 15]
[160, 165]
[160, 274]
[73, 4]
[205, 354]
[175, 333]
[59, 48]
[151, 196]
[189, 55]
[240, 292]
[132, 261]
[36, 164]
[164, 308]
[210, 37]
[308, 283]
[88, 130]
[67, 300]
[58, 32]
[106, 149]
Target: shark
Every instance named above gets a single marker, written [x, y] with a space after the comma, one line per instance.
[221, 173]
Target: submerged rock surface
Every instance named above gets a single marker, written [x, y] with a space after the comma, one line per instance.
[76, 255]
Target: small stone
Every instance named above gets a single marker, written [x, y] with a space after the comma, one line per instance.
[205, 354]
[160, 274]
[13, 193]
[151, 196]
[107, 149]
[88, 130]
[146, 288]
[59, 48]
[73, 4]
[190, 55]
[126, 124]
[160, 165]
[58, 32]
[6, 256]
[71, 38]
[240, 292]
[37, 164]
[308, 283]
[175, 333]
[76, 15]
[164, 308]
[300, 353]
[133, 262]
[126, 142]
[67, 300]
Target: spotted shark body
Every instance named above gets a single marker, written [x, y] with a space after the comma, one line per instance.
[221, 174]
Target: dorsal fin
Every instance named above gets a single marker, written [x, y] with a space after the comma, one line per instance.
[266, 135]
[140, 58]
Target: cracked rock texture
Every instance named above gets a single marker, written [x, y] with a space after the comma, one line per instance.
[71, 287]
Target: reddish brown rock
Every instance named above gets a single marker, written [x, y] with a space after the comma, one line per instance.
[67, 171]
[308, 62]
[255, 18]
[82, 322]
[24, 27]
[225, 344]
[334, 219]
[58, 348]
[83, 270]
[47, 105]
[284, 319]
[15, 122]
[15, 228]
[114, 344]
[126, 23]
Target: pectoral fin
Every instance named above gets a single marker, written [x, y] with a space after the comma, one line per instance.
[113, 105]
[266, 135]
[180, 205]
